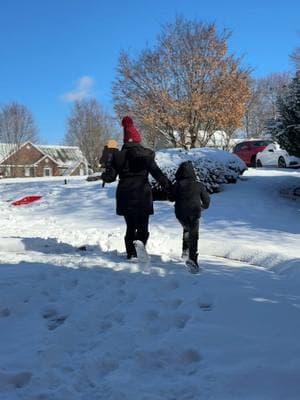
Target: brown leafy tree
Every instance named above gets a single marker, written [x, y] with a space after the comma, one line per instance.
[88, 127]
[17, 126]
[186, 84]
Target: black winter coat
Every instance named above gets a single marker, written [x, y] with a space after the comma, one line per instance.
[190, 195]
[133, 164]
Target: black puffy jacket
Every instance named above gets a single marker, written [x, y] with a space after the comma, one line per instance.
[133, 164]
[190, 195]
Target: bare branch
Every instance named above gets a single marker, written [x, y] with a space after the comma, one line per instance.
[88, 127]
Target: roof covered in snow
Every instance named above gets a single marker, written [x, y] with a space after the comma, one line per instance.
[63, 155]
[6, 149]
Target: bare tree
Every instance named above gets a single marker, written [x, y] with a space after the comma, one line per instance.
[295, 57]
[88, 127]
[17, 126]
[262, 105]
[186, 84]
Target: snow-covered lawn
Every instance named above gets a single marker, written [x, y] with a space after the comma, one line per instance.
[88, 325]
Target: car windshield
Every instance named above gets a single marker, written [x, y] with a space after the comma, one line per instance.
[272, 146]
[260, 143]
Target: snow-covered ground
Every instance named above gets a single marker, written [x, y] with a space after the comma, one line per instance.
[88, 325]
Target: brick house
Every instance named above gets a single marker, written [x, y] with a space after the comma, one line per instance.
[31, 160]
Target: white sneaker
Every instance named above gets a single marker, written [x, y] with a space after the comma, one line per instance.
[142, 255]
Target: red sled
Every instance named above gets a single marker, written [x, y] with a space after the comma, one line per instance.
[26, 200]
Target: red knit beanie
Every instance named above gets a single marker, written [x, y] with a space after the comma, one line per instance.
[131, 134]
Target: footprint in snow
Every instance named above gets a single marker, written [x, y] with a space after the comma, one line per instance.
[151, 315]
[173, 303]
[105, 326]
[54, 319]
[164, 359]
[4, 312]
[17, 380]
[190, 356]
[173, 284]
[205, 306]
[71, 284]
[118, 317]
[180, 320]
[206, 301]
[157, 324]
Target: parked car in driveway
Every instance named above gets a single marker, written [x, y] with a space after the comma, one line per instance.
[274, 156]
[248, 149]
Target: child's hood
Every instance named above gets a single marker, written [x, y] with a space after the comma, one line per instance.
[185, 171]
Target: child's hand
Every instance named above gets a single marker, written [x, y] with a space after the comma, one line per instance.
[171, 192]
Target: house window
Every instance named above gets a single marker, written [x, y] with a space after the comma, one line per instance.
[47, 171]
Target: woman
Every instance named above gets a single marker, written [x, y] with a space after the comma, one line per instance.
[132, 164]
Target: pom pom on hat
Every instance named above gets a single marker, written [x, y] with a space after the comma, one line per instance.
[131, 134]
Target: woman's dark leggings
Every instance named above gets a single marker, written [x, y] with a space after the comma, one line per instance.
[136, 229]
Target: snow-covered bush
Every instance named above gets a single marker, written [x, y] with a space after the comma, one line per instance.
[213, 166]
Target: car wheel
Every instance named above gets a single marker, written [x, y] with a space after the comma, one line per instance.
[253, 161]
[281, 162]
[258, 164]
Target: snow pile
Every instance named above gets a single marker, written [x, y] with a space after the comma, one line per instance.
[213, 166]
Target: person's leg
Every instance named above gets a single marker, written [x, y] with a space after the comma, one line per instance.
[193, 239]
[185, 238]
[142, 222]
[185, 242]
[130, 235]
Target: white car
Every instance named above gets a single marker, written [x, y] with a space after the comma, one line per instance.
[274, 156]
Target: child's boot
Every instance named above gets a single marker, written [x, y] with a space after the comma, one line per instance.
[185, 253]
[192, 263]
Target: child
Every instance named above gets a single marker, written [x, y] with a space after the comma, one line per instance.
[106, 158]
[110, 148]
[190, 197]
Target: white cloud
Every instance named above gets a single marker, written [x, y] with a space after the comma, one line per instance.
[82, 90]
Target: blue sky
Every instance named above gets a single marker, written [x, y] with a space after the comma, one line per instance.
[52, 52]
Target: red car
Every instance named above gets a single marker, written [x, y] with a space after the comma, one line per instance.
[247, 150]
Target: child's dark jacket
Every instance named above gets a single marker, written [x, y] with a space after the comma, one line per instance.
[190, 196]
